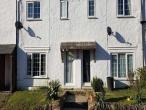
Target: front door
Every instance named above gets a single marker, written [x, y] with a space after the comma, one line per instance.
[86, 66]
[2, 72]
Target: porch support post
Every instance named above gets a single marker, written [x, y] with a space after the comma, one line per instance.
[11, 73]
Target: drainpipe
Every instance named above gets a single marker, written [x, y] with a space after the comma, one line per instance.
[143, 29]
[17, 40]
[16, 50]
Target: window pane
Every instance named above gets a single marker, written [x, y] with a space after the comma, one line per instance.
[36, 9]
[30, 10]
[69, 71]
[121, 65]
[91, 7]
[36, 64]
[64, 9]
[28, 64]
[114, 65]
[43, 64]
[130, 63]
[120, 7]
[127, 7]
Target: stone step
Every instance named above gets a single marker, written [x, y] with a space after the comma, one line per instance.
[80, 105]
[74, 109]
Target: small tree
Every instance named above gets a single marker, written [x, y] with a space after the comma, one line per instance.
[138, 83]
[97, 85]
[53, 89]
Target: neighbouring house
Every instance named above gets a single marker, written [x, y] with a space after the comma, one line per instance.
[7, 45]
[71, 40]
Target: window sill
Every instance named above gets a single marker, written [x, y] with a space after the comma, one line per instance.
[122, 16]
[69, 84]
[121, 79]
[34, 19]
[36, 77]
[92, 17]
[64, 19]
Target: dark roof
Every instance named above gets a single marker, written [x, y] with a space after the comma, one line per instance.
[78, 46]
[7, 48]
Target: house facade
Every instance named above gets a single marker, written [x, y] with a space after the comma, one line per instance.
[68, 40]
[7, 46]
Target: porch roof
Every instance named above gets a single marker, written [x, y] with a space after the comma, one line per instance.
[78, 46]
[7, 48]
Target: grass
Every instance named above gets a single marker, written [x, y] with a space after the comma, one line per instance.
[27, 100]
[122, 96]
[3, 100]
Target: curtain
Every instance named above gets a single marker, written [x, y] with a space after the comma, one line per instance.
[127, 7]
[69, 68]
[114, 65]
[130, 63]
[121, 65]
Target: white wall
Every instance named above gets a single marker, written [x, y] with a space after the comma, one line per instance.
[7, 22]
[78, 27]
[34, 37]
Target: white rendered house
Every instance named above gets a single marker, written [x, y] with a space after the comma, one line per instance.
[7, 45]
[68, 40]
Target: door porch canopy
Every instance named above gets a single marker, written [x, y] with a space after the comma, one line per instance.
[7, 48]
[70, 46]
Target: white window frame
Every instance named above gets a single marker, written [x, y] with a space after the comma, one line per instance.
[126, 63]
[66, 2]
[94, 16]
[32, 18]
[123, 15]
[39, 76]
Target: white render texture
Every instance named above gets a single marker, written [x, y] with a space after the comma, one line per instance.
[7, 22]
[50, 31]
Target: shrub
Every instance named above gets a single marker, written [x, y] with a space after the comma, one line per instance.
[53, 89]
[97, 84]
[138, 83]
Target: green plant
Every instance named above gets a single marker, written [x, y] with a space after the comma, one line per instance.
[97, 84]
[138, 83]
[131, 78]
[53, 89]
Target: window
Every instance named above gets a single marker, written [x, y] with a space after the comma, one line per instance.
[121, 64]
[91, 8]
[36, 64]
[124, 7]
[69, 67]
[63, 9]
[33, 10]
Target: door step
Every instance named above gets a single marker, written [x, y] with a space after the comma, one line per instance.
[79, 105]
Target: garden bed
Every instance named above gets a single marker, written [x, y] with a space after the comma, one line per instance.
[118, 100]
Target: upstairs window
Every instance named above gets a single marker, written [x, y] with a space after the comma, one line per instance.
[124, 7]
[33, 10]
[91, 8]
[63, 9]
[36, 64]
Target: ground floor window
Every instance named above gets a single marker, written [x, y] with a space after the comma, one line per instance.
[36, 64]
[121, 64]
[69, 67]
